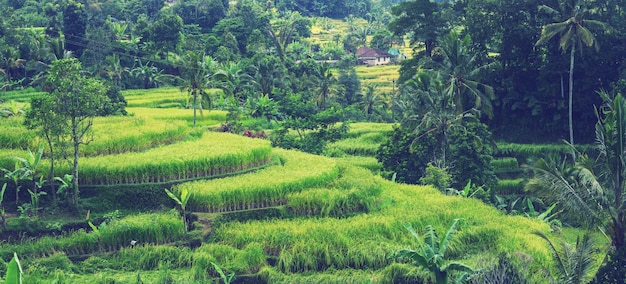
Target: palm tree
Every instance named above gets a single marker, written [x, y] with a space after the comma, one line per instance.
[196, 73]
[269, 74]
[233, 80]
[10, 59]
[114, 69]
[429, 109]
[431, 253]
[461, 72]
[574, 264]
[593, 189]
[573, 32]
[147, 73]
[373, 101]
[327, 83]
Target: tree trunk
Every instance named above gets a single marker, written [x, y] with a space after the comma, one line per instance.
[571, 90]
[75, 138]
[194, 108]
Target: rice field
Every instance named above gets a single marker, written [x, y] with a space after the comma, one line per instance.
[268, 187]
[208, 118]
[339, 223]
[212, 155]
[384, 76]
[363, 139]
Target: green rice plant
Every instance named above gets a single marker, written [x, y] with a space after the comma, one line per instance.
[267, 187]
[115, 135]
[369, 163]
[510, 186]
[50, 264]
[505, 165]
[331, 276]
[247, 260]
[213, 154]
[151, 257]
[330, 203]
[356, 147]
[152, 228]
[529, 152]
[7, 157]
[155, 228]
[365, 241]
[15, 135]
[209, 118]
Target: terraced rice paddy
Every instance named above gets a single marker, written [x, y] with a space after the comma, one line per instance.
[296, 218]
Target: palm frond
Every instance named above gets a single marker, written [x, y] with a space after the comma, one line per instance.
[549, 31]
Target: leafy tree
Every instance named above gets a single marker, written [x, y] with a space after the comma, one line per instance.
[76, 99]
[205, 14]
[270, 74]
[10, 60]
[147, 74]
[398, 157]
[75, 26]
[573, 33]
[431, 253]
[232, 78]
[165, 32]
[350, 86]
[426, 20]
[52, 127]
[247, 17]
[306, 129]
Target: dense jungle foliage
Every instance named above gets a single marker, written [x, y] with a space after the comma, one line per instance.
[114, 105]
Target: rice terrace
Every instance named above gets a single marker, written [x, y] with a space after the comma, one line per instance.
[294, 141]
[259, 212]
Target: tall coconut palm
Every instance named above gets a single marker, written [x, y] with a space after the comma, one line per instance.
[196, 74]
[573, 32]
[327, 84]
[461, 72]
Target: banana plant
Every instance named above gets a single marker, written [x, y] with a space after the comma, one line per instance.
[14, 271]
[15, 176]
[431, 253]
[3, 215]
[227, 279]
[182, 202]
